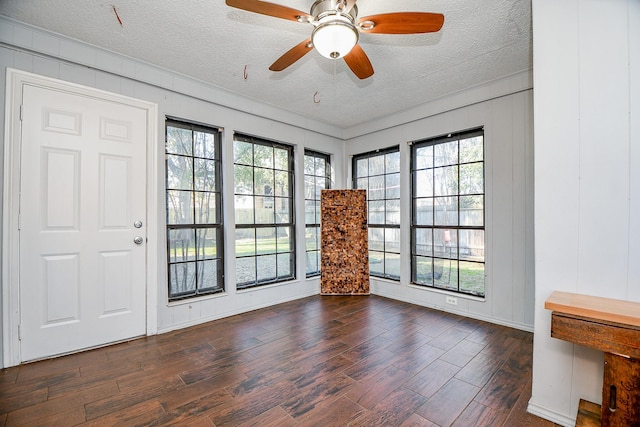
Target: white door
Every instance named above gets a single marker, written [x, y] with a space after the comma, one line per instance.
[82, 205]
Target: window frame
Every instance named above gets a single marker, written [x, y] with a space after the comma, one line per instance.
[316, 203]
[257, 253]
[217, 225]
[447, 228]
[386, 225]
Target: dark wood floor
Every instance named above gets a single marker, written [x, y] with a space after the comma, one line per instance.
[319, 361]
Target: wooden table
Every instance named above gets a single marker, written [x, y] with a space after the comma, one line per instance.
[611, 326]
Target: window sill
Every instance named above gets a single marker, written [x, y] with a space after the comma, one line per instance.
[196, 299]
[449, 293]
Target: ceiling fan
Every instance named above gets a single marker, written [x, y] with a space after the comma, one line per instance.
[335, 33]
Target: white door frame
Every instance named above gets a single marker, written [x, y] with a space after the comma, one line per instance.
[16, 79]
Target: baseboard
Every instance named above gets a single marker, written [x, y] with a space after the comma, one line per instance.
[550, 415]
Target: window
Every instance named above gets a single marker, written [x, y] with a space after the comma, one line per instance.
[447, 230]
[194, 206]
[379, 173]
[317, 176]
[263, 188]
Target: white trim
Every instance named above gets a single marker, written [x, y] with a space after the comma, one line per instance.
[11, 203]
[551, 415]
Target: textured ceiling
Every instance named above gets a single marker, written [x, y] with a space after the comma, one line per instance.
[480, 41]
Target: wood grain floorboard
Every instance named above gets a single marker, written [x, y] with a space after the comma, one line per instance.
[319, 361]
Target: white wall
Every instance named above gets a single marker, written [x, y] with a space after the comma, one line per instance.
[587, 180]
[508, 125]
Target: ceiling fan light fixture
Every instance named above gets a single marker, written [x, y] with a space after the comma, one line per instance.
[334, 38]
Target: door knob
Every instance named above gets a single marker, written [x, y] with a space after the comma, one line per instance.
[138, 240]
[137, 224]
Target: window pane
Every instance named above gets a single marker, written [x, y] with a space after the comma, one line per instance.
[209, 275]
[472, 245]
[179, 173]
[282, 210]
[179, 141]
[392, 265]
[472, 178]
[362, 184]
[182, 278]
[264, 210]
[245, 271]
[266, 267]
[376, 263]
[423, 240]
[284, 240]
[472, 277]
[309, 165]
[376, 165]
[392, 182]
[320, 184]
[424, 157]
[309, 212]
[243, 179]
[423, 214]
[376, 212]
[263, 156]
[205, 175]
[313, 263]
[245, 242]
[446, 210]
[392, 240]
[281, 183]
[471, 211]
[392, 214]
[179, 207]
[362, 168]
[281, 159]
[207, 208]
[423, 270]
[309, 187]
[311, 238]
[244, 213]
[445, 154]
[445, 274]
[445, 243]
[204, 145]
[181, 245]
[266, 240]
[392, 161]
[445, 181]
[284, 265]
[242, 152]
[424, 183]
[207, 239]
[321, 167]
[264, 181]
[376, 188]
[376, 239]
[471, 150]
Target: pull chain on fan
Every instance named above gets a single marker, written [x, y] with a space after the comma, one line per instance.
[336, 33]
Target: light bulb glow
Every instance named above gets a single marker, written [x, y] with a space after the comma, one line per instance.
[335, 37]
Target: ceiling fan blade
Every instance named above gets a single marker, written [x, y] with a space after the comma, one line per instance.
[270, 9]
[292, 55]
[402, 23]
[359, 62]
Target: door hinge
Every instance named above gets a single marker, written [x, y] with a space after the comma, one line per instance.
[21, 109]
[19, 333]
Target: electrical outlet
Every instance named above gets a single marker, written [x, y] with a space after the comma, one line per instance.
[452, 300]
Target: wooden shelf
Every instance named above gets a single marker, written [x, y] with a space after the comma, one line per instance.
[599, 308]
[611, 326]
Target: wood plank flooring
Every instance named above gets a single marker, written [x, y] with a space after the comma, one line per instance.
[319, 361]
